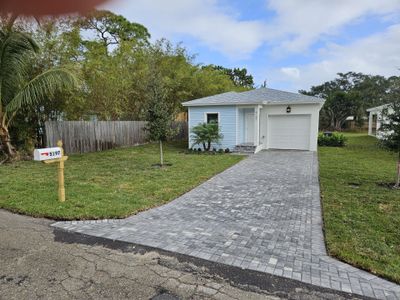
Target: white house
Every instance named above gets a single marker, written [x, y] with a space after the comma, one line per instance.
[375, 119]
[260, 119]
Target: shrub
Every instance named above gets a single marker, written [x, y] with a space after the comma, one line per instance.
[220, 150]
[227, 150]
[205, 134]
[331, 139]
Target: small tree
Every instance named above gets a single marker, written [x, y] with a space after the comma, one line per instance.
[205, 134]
[391, 132]
[159, 115]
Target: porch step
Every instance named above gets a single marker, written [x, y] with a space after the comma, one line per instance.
[248, 149]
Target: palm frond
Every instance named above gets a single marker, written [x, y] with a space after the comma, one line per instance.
[15, 50]
[42, 86]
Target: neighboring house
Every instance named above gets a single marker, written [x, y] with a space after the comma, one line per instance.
[352, 124]
[375, 119]
[260, 119]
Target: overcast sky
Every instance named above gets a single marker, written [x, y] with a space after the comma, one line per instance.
[293, 44]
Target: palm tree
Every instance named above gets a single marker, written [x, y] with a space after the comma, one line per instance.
[17, 88]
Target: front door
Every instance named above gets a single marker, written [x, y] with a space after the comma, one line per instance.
[249, 128]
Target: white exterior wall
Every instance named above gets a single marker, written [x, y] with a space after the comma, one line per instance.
[380, 118]
[296, 109]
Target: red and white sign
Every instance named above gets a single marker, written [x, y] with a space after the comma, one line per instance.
[47, 153]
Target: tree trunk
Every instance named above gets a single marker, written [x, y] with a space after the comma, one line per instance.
[161, 154]
[397, 185]
[338, 126]
[208, 146]
[204, 147]
[5, 140]
[332, 124]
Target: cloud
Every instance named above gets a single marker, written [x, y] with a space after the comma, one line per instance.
[293, 27]
[376, 54]
[291, 72]
[289, 30]
[204, 20]
[299, 24]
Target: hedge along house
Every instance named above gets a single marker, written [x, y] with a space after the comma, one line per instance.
[259, 119]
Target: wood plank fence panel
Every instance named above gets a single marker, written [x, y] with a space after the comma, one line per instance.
[91, 136]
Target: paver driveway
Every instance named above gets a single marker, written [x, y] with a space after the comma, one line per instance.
[262, 214]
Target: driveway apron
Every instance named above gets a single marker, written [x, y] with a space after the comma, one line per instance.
[262, 214]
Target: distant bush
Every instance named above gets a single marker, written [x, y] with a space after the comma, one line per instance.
[331, 139]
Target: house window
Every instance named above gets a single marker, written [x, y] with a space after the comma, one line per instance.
[212, 117]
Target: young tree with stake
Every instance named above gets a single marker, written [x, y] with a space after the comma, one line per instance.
[159, 115]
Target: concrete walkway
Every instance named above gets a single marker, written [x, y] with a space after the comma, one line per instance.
[262, 214]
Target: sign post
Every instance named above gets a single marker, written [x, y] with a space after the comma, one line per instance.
[53, 155]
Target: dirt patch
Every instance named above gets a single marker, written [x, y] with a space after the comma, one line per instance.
[354, 185]
[161, 166]
[388, 185]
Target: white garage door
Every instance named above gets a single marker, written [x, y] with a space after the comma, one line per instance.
[289, 131]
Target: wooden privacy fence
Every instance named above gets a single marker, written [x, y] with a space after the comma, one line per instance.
[90, 136]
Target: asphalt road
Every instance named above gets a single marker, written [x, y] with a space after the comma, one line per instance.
[34, 266]
[39, 263]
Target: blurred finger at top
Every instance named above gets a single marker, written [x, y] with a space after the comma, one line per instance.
[47, 7]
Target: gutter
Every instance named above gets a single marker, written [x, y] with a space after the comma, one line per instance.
[186, 104]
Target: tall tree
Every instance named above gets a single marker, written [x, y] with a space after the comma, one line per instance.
[339, 106]
[111, 57]
[112, 66]
[183, 79]
[59, 43]
[349, 94]
[17, 88]
[239, 77]
[109, 85]
[111, 29]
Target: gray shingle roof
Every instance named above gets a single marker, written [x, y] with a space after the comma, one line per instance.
[256, 96]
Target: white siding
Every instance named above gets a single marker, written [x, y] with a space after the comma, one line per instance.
[296, 109]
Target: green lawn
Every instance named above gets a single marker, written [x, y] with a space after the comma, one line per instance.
[362, 219]
[110, 184]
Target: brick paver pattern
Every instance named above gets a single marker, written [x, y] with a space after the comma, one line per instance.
[262, 214]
